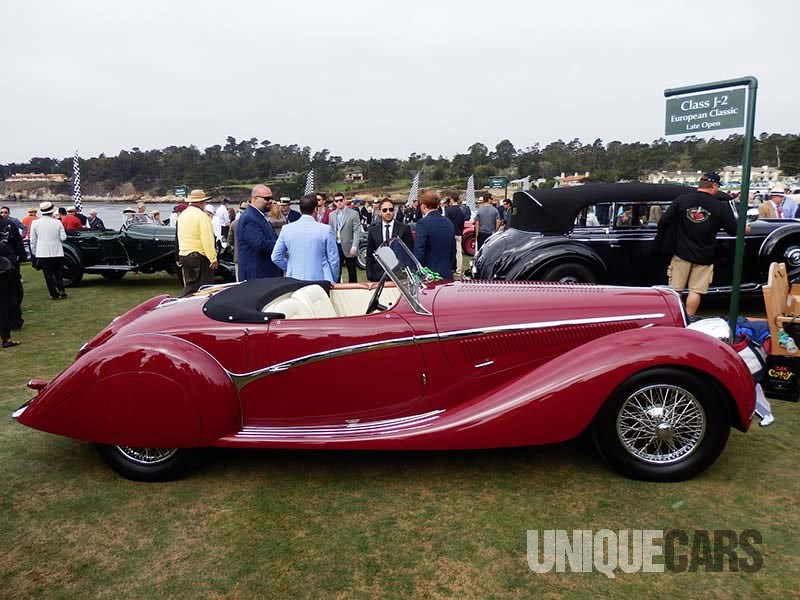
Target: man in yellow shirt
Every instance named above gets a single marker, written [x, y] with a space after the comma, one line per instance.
[197, 253]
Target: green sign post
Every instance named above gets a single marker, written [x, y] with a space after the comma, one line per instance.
[182, 191]
[690, 111]
[499, 182]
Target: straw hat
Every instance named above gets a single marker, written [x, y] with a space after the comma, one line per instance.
[32, 210]
[197, 196]
[46, 208]
[778, 190]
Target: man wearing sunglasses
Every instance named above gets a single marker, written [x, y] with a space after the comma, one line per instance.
[382, 230]
[255, 237]
[346, 226]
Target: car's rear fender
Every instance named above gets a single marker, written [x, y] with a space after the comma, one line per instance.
[148, 390]
[550, 252]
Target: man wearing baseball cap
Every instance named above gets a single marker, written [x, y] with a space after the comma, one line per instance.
[688, 230]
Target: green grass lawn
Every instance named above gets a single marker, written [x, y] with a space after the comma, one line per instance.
[280, 524]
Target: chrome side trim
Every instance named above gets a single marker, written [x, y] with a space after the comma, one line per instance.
[346, 429]
[242, 379]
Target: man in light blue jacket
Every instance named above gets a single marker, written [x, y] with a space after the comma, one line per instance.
[310, 246]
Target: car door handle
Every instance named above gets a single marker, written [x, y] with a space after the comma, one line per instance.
[615, 245]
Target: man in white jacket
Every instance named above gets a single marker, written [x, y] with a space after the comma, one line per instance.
[47, 235]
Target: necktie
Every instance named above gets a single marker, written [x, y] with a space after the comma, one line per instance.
[779, 209]
[386, 236]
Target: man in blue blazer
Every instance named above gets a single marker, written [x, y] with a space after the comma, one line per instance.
[435, 243]
[255, 237]
[311, 246]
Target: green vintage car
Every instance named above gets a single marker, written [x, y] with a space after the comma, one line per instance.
[140, 246]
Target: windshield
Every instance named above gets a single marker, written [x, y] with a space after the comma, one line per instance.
[404, 269]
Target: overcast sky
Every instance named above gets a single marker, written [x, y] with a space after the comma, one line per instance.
[375, 78]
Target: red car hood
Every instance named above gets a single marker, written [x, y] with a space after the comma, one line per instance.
[481, 304]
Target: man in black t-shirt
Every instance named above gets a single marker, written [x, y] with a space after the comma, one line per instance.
[691, 223]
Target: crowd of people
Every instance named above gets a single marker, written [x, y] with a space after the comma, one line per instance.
[320, 241]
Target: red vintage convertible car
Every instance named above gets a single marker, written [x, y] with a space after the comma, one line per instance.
[270, 363]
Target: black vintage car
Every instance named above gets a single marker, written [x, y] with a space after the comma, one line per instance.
[605, 233]
[142, 247]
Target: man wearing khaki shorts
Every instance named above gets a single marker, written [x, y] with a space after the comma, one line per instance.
[682, 274]
[691, 224]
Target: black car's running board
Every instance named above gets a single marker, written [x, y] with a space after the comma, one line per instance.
[726, 289]
[104, 268]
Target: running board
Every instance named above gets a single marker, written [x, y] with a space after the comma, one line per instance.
[354, 429]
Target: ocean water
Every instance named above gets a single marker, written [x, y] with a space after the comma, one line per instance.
[111, 214]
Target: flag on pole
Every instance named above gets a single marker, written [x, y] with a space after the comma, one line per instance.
[526, 183]
[469, 195]
[413, 194]
[76, 183]
[310, 182]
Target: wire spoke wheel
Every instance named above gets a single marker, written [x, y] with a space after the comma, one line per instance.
[661, 424]
[147, 456]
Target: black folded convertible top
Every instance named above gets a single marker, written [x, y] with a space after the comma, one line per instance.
[242, 303]
[554, 211]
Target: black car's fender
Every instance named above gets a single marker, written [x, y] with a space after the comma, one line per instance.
[73, 267]
[542, 261]
[782, 245]
[534, 257]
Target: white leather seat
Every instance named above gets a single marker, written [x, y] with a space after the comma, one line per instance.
[316, 300]
[292, 308]
[350, 302]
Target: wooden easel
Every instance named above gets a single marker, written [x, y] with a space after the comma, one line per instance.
[782, 305]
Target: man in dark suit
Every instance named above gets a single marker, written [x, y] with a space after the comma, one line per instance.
[255, 238]
[456, 216]
[435, 243]
[380, 231]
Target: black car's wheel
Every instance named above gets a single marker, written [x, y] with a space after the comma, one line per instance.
[113, 275]
[468, 244]
[790, 254]
[362, 256]
[569, 272]
[148, 464]
[664, 424]
[73, 270]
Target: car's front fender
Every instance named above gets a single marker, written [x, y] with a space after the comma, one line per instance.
[148, 390]
[782, 245]
[559, 399]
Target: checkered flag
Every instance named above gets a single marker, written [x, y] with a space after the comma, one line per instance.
[76, 183]
[310, 182]
[469, 195]
[413, 194]
[526, 183]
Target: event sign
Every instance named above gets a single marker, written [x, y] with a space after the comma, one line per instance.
[705, 112]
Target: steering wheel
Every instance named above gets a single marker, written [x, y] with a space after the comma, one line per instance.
[374, 302]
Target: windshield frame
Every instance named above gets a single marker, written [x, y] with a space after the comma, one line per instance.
[402, 267]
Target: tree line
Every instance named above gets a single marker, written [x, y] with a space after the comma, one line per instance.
[246, 161]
